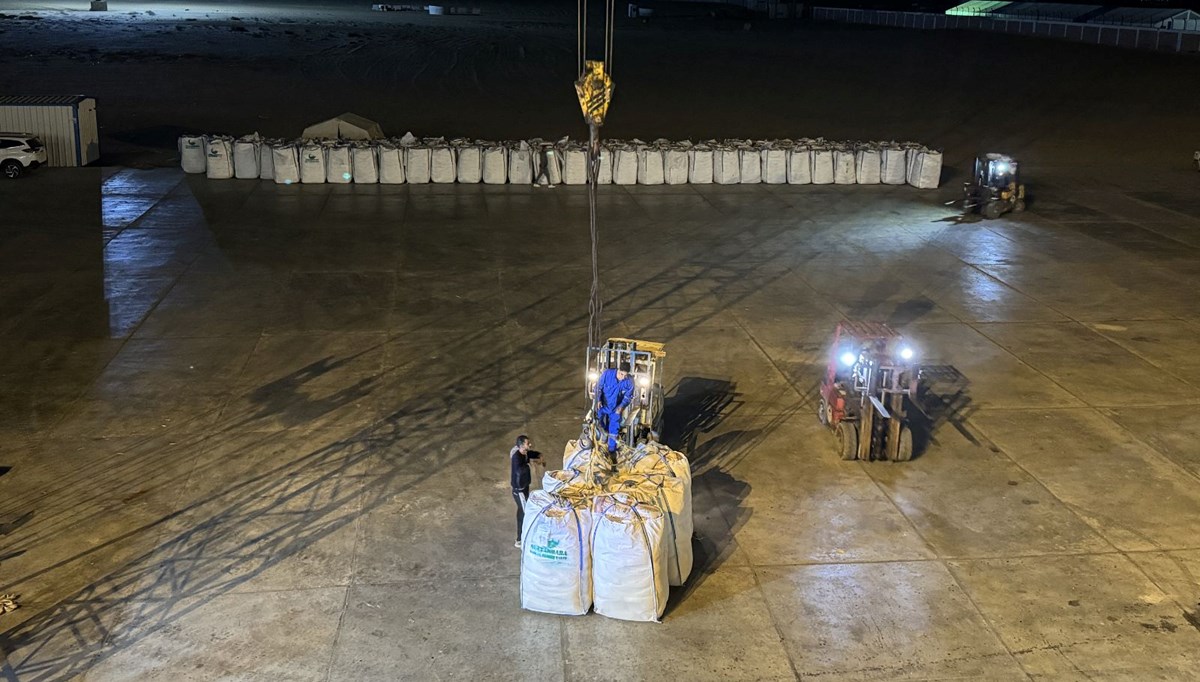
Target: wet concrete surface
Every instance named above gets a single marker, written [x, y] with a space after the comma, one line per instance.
[253, 431]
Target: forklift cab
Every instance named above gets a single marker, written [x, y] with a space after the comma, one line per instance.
[996, 186]
[643, 417]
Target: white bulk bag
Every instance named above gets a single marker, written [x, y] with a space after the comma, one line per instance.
[912, 155]
[285, 161]
[774, 166]
[416, 165]
[750, 165]
[520, 165]
[676, 164]
[192, 155]
[604, 176]
[220, 158]
[245, 157]
[547, 165]
[650, 166]
[893, 168]
[867, 166]
[338, 167]
[391, 164]
[629, 555]
[578, 458]
[364, 161]
[800, 166]
[574, 164]
[577, 485]
[926, 172]
[624, 166]
[266, 161]
[442, 168]
[469, 163]
[843, 167]
[495, 165]
[556, 558]
[700, 166]
[822, 168]
[672, 495]
[727, 166]
[312, 163]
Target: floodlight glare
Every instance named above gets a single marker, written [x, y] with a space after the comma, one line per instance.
[848, 358]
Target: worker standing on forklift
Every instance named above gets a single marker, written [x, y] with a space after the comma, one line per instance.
[614, 391]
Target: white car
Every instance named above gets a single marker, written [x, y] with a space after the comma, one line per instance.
[20, 152]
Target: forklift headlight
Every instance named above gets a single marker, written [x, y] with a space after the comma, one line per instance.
[644, 382]
[848, 358]
[906, 353]
[592, 376]
[1002, 168]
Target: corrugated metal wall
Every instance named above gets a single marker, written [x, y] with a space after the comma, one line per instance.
[54, 125]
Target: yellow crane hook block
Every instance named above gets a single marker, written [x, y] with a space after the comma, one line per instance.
[594, 89]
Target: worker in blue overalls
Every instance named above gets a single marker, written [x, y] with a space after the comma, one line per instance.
[614, 391]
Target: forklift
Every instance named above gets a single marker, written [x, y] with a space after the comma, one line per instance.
[996, 188]
[871, 373]
[643, 417]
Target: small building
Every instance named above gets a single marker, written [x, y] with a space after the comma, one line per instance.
[1147, 17]
[66, 124]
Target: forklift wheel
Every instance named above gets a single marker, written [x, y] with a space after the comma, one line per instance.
[991, 210]
[847, 435]
[822, 413]
[904, 451]
[1019, 206]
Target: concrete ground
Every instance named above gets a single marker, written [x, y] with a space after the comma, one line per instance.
[260, 432]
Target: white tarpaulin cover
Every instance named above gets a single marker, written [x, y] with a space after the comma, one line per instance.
[520, 164]
[285, 160]
[925, 168]
[365, 163]
[345, 127]
[822, 171]
[495, 165]
[337, 164]
[416, 164]
[192, 153]
[775, 165]
[844, 167]
[629, 556]
[700, 168]
[266, 161]
[469, 163]
[312, 163]
[245, 157]
[750, 165]
[442, 168]
[893, 168]
[799, 171]
[867, 166]
[391, 164]
[727, 166]
[650, 166]
[676, 165]
[220, 158]
[556, 560]
[625, 165]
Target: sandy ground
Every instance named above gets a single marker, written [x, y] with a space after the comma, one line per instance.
[165, 68]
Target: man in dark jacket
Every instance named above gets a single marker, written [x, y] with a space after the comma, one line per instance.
[519, 457]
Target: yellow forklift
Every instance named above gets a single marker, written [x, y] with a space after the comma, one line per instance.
[643, 417]
[995, 188]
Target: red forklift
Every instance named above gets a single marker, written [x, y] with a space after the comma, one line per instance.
[872, 370]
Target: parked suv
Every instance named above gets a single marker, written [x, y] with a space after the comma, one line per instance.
[20, 152]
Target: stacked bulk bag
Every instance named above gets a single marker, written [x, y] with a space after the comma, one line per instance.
[774, 158]
[822, 168]
[653, 459]
[495, 164]
[629, 572]
[677, 164]
[338, 168]
[580, 456]
[556, 558]
[192, 154]
[246, 157]
[727, 163]
[285, 162]
[364, 162]
[893, 166]
[391, 164]
[547, 165]
[624, 164]
[650, 169]
[700, 165]
[520, 164]
[924, 168]
[800, 165]
[867, 165]
[749, 164]
[671, 495]
[266, 160]
[417, 158]
[312, 163]
[469, 161]
[844, 166]
[442, 167]
[219, 157]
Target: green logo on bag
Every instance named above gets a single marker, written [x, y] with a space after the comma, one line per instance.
[548, 549]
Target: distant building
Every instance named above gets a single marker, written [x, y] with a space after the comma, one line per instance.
[1142, 17]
